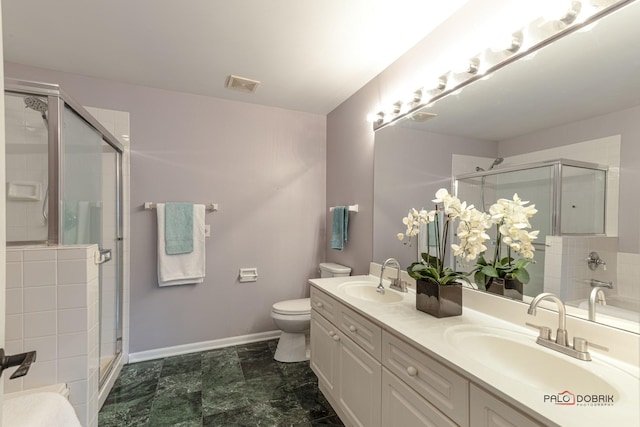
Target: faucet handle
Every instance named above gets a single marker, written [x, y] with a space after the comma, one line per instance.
[545, 332]
[582, 344]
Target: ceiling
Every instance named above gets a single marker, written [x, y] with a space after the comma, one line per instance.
[309, 55]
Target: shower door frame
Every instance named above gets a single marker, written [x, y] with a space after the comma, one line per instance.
[57, 99]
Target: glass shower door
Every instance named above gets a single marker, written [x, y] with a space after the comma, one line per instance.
[90, 212]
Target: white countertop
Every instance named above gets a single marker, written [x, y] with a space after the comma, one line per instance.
[434, 337]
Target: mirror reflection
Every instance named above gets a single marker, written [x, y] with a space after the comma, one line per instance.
[578, 100]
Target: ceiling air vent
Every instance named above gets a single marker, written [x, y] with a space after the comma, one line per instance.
[242, 84]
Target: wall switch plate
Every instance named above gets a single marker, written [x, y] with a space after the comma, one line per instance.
[248, 274]
[207, 230]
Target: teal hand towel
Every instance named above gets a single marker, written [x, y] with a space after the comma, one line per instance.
[178, 228]
[340, 225]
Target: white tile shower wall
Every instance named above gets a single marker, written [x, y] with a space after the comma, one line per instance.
[553, 264]
[574, 274]
[628, 275]
[52, 307]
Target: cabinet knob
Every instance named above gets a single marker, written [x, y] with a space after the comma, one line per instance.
[331, 333]
[353, 328]
[336, 338]
[412, 371]
[319, 304]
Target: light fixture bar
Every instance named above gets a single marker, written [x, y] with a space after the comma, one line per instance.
[451, 82]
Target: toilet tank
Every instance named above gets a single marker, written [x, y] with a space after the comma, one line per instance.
[330, 269]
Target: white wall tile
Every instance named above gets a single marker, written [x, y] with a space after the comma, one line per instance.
[68, 253]
[14, 301]
[72, 272]
[72, 320]
[12, 385]
[39, 254]
[40, 273]
[40, 298]
[72, 369]
[70, 345]
[47, 347]
[41, 374]
[14, 275]
[72, 296]
[14, 255]
[40, 324]
[79, 391]
[14, 327]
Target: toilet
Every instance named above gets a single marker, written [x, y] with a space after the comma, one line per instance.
[293, 318]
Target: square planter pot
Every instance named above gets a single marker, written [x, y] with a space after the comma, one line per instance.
[510, 288]
[439, 301]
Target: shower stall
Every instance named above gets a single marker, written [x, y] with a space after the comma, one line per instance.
[64, 188]
[570, 197]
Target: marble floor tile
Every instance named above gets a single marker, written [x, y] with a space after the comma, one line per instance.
[169, 411]
[181, 364]
[233, 386]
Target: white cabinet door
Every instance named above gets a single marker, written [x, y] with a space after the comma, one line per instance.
[489, 411]
[359, 385]
[324, 351]
[403, 407]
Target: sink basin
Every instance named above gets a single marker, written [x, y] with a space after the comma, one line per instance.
[367, 291]
[517, 355]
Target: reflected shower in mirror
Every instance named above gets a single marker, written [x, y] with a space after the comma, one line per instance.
[577, 98]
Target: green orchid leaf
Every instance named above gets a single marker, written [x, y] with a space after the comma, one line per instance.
[490, 271]
[522, 275]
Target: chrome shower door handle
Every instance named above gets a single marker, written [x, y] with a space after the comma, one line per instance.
[102, 256]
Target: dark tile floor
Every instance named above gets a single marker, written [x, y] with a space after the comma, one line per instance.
[233, 386]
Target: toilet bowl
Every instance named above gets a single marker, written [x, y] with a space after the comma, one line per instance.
[293, 318]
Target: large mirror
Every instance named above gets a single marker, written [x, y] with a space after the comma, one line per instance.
[578, 99]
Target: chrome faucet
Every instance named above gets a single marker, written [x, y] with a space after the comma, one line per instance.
[596, 296]
[395, 283]
[561, 334]
[561, 343]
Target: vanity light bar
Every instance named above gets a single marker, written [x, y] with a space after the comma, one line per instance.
[535, 35]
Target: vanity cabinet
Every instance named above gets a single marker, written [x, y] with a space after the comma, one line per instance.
[437, 384]
[489, 411]
[374, 378]
[348, 375]
[404, 407]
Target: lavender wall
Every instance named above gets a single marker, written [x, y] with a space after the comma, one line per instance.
[264, 166]
[350, 138]
[410, 166]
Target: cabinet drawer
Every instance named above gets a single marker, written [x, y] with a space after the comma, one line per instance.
[363, 332]
[489, 411]
[403, 407]
[324, 304]
[443, 388]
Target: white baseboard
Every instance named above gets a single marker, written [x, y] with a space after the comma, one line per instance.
[160, 353]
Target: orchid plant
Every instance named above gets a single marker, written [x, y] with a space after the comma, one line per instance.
[471, 232]
[511, 218]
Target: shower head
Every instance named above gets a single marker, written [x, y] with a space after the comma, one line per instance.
[496, 162]
[36, 104]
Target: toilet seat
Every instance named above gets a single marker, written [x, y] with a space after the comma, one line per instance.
[293, 307]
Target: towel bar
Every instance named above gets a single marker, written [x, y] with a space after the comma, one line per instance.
[211, 207]
[352, 208]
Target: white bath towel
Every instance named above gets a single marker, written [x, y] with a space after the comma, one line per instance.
[42, 409]
[182, 269]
